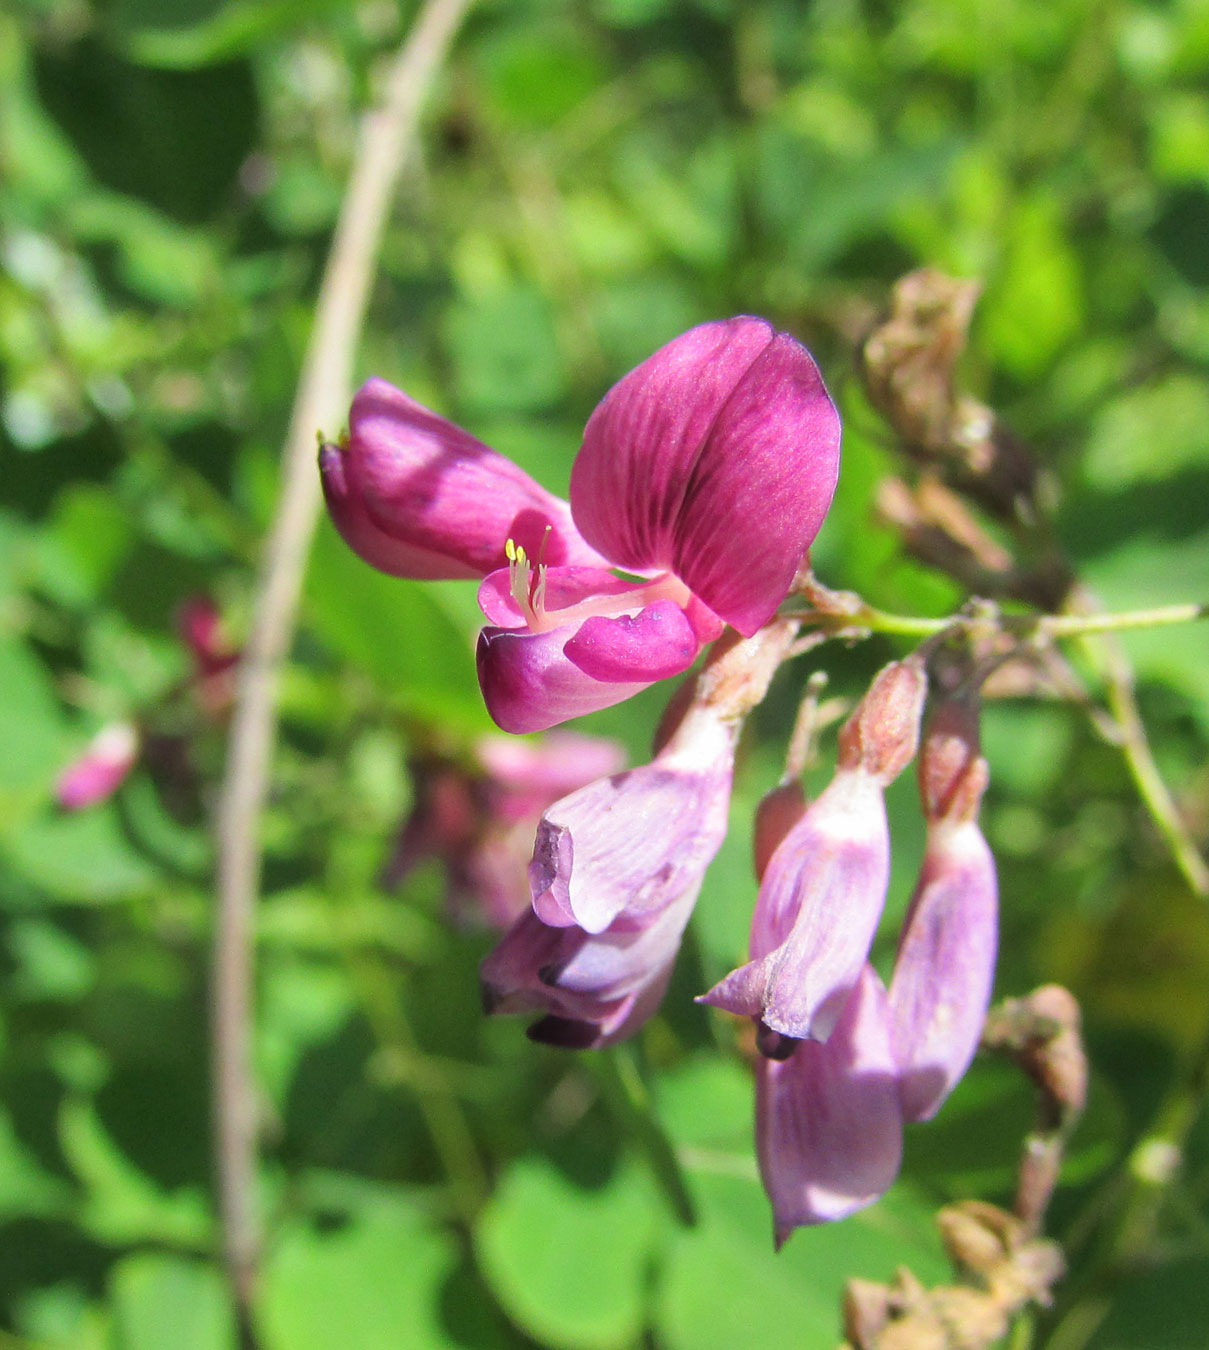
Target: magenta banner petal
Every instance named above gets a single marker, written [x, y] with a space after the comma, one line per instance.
[715, 459]
[643, 440]
[828, 1125]
[424, 482]
[654, 644]
[760, 488]
[529, 685]
[396, 557]
[945, 967]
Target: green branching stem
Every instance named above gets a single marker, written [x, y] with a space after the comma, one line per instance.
[861, 618]
[844, 614]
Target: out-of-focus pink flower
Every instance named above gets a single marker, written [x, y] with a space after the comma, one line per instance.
[945, 967]
[100, 770]
[616, 870]
[706, 472]
[214, 659]
[478, 819]
[824, 889]
[828, 1120]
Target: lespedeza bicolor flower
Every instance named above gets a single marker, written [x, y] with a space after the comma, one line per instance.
[704, 475]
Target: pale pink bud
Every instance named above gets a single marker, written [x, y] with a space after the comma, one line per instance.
[945, 967]
[616, 870]
[946, 956]
[100, 770]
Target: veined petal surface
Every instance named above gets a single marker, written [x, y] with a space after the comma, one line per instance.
[828, 1124]
[715, 459]
[425, 482]
[818, 908]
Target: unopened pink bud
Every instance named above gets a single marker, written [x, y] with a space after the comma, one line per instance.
[882, 734]
[817, 911]
[100, 770]
[617, 867]
[945, 967]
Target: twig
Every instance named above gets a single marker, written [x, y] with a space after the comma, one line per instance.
[322, 395]
[1135, 746]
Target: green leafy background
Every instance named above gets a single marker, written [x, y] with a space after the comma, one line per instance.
[594, 177]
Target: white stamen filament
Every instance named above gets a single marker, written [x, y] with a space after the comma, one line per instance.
[527, 585]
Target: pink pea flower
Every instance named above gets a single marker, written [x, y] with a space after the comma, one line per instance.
[705, 473]
[478, 819]
[945, 967]
[828, 1118]
[616, 871]
[100, 770]
[824, 889]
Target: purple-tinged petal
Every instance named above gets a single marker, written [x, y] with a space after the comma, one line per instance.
[716, 459]
[828, 1125]
[594, 988]
[100, 770]
[654, 644]
[945, 967]
[817, 911]
[410, 490]
[529, 685]
[395, 557]
[620, 851]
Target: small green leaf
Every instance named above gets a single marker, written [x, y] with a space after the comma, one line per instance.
[567, 1263]
[373, 1281]
[163, 1302]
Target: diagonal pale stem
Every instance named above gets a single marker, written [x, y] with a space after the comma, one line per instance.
[321, 400]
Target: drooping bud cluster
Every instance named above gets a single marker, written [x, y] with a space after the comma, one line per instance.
[844, 1063]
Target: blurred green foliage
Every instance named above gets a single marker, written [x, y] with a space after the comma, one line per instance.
[595, 177]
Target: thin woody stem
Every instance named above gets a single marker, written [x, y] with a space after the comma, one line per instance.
[1135, 746]
[321, 399]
